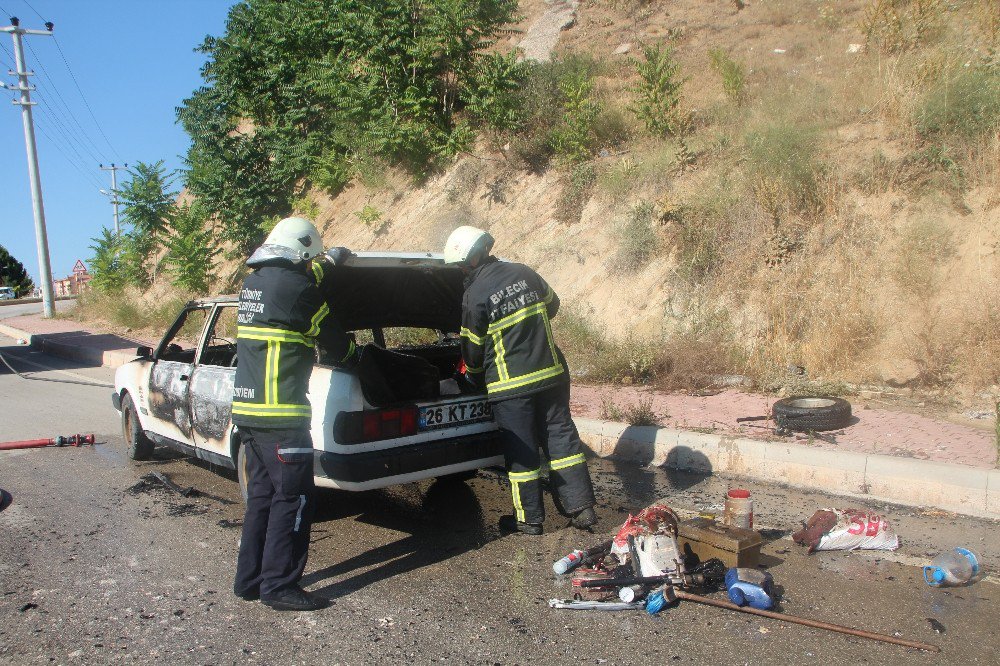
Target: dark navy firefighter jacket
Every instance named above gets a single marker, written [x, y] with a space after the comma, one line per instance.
[281, 317]
[507, 340]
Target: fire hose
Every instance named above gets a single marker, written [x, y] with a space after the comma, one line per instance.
[69, 440]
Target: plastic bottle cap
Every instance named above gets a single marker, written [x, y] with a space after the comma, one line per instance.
[739, 493]
[938, 574]
[736, 596]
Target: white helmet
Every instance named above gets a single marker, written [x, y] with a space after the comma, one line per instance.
[467, 244]
[294, 238]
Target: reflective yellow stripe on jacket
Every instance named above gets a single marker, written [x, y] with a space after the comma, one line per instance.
[272, 334]
[504, 381]
[257, 409]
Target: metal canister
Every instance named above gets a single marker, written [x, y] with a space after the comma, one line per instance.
[739, 509]
[632, 593]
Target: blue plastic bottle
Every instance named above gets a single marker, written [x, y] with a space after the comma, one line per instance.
[750, 587]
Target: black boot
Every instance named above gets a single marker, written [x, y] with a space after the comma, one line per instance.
[294, 599]
[510, 524]
[584, 519]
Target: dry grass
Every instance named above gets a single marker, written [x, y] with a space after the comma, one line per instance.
[131, 312]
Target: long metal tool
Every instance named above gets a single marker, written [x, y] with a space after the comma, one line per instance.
[816, 624]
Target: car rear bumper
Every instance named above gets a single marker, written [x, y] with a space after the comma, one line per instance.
[377, 469]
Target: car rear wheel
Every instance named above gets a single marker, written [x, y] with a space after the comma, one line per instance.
[139, 446]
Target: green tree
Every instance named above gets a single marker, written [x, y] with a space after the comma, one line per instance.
[148, 205]
[190, 250]
[13, 275]
[106, 262]
[310, 90]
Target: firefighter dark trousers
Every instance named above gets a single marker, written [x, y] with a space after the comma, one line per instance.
[543, 420]
[275, 542]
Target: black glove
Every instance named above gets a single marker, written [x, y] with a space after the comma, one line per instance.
[338, 255]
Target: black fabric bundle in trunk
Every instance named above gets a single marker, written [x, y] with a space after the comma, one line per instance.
[389, 377]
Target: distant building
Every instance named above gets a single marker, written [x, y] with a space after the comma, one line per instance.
[77, 282]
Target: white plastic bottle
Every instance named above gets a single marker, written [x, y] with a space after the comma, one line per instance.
[953, 567]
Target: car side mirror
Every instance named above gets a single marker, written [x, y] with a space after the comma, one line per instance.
[144, 352]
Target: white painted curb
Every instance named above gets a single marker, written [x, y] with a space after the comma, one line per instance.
[962, 489]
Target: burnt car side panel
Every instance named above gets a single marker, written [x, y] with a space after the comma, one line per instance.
[211, 407]
[168, 398]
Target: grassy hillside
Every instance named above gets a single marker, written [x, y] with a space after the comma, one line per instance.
[820, 190]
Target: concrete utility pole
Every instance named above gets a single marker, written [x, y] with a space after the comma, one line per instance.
[25, 103]
[113, 194]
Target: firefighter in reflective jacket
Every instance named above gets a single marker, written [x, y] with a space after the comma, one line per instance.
[508, 348]
[281, 318]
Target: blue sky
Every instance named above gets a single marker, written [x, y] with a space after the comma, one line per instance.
[134, 62]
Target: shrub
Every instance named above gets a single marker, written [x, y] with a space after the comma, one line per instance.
[966, 104]
[573, 139]
[702, 231]
[883, 27]
[594, 357]
[637, 238]
[783, 159]
[732, 73]
[370, 216]
[306, 207]
[878, 175]
[659, 91]
[638, 413]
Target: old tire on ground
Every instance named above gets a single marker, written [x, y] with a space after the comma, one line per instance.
[816, 414]
[139, 446]
[241, 471]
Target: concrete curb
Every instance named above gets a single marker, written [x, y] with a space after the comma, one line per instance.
[958, 488]
[68, 350]
[968, 490]
[29, 301]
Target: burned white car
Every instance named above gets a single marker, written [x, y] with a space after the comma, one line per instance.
[401, 415]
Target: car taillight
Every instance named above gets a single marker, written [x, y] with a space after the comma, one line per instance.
[372, 425]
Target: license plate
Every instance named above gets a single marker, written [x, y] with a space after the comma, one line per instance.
[455, 414]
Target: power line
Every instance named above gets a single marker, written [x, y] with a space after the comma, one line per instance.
[82, 96]
[83, 171]
[51, 85]
[66, 141]
[34, 10]
[67, 132]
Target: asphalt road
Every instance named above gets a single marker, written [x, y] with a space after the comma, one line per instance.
[7, 311]
[97, 566]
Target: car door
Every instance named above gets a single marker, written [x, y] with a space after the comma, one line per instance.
[170, 376]
[211, 386]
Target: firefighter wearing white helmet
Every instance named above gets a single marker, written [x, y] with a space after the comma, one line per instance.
[509, 351]
[282, 316]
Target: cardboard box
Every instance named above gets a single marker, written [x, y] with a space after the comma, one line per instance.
[701, 539]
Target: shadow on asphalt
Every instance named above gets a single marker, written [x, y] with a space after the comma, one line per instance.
[447, 523]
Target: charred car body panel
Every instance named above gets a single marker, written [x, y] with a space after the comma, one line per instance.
[182, 390]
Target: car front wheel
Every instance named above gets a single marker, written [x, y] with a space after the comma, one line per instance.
[139, 446]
